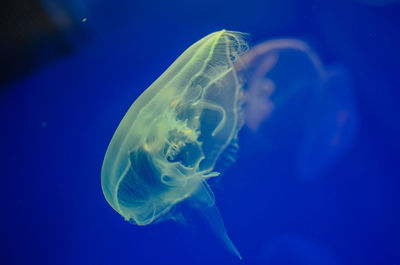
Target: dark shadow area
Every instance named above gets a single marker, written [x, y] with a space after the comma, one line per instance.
[30, 37]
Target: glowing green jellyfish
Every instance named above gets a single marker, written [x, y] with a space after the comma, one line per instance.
[169, 141]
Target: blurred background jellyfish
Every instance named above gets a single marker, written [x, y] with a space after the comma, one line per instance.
[292, 249]
[289, 93]
[331, 124]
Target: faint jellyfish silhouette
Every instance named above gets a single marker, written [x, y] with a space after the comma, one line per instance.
[166, 146]
[290, 249]
[302, 105]
[331, 126]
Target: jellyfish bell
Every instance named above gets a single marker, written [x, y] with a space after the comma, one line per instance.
[166, 146]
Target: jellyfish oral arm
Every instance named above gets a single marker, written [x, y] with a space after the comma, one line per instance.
[203, 201]
[213, 218]
[211, 106]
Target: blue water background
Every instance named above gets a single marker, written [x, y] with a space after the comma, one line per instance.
[57, 122]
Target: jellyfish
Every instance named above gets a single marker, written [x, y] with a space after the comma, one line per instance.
[166, 146]
[298, 104]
